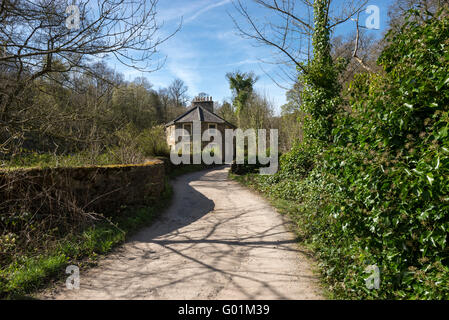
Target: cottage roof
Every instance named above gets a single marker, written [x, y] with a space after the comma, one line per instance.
[198, 113]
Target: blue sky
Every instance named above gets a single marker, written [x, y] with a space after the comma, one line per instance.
[208, 46]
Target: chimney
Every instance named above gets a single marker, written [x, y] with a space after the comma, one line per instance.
[205, 102]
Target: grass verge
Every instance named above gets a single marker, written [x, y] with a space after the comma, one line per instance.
[34, 271]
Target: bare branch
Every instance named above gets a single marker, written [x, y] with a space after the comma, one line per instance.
[356, 47]
[289, 28]
[285, 12]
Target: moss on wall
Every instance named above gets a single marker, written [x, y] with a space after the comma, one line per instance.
[95, 188]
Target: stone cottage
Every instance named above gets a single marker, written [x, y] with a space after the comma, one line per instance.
[202, 111]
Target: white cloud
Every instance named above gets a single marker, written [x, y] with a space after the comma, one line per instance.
[183, 59]
[177, 10]
[202, 56]
[209, 7]
[244, 62]
[189, 9]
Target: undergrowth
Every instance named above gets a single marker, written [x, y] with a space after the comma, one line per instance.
[378, 194]
[34, 269]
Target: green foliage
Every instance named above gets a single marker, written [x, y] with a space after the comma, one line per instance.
[391, 164]
[152, 142]
[29, 272]
[246, 167]
[227, 112]
[44, 160]
[379, 195]
[241, 84]
[80, 121]
[321, 94]
[131, 146]
[299, 161]
[290, 122]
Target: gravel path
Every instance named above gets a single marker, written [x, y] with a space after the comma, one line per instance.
[217, 240]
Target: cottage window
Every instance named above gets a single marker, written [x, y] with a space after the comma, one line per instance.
[188, 128]
[212, 127]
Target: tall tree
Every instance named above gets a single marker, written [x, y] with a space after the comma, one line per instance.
[302, 36]
[241, 84]
[178, 92]
[321, 94]
[227, 112]
[288, 28]
[164, 97]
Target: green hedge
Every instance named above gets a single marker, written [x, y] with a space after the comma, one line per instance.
[379, 195]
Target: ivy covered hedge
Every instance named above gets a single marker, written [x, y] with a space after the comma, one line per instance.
[379, 194]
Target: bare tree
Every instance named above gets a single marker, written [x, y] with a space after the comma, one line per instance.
[367, 49]
[165, 101]
[142, 81]
[45, 38]
[426, 9]
[288, 28]
[356, 52]
[178, 92]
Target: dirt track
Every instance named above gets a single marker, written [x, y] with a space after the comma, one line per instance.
[217, 241]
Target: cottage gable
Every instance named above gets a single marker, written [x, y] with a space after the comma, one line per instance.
[201, 111]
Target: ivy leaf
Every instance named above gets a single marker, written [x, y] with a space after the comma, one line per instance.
[430, 178]
[443, 132]
[438, 164]
[443, 84]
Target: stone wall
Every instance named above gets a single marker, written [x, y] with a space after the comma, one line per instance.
[103, 189]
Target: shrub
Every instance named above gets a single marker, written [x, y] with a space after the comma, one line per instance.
[379, 195]
[152, 142]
